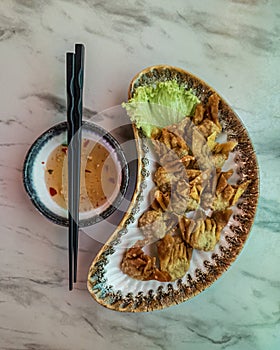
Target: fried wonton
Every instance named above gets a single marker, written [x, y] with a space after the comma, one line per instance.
[201, 150]
[167, 141]
[221, 152]
[203, 233]
[160, 200]
[181, 199]
[206, 118]
[141, 266]
[152, 224]
[174, 256]
[227, 195]
[181, 128]
[164, 179]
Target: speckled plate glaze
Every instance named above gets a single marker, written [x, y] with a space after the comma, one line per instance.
[115, 290]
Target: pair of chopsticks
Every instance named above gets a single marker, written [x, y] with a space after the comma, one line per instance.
[74, 82]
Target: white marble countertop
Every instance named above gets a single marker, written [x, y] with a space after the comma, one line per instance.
[234, 46]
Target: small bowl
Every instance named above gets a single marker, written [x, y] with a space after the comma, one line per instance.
[35, 167]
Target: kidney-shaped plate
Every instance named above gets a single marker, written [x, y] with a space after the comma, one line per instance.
[108, 285]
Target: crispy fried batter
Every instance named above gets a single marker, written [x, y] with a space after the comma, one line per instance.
[186, 195]
[181, 128]
[201, 150]
[189, 162]
[221, 152]
[174, 256]
[199, 234]
[211, 140]
[221, 218]
[239, 191]
[207, 193]
[222, 180]
[164, 179]
[227, 195]
[208, 127]
[171, 220]
[152, 224]
[160, 200]
[182, 199]
[206, 119]
[170, 141]
[204, 233]
[178, 166]
[192, 174]
[213, 109]
[181, 204]
[170, 160]
[198, 114]
[138, 265]
[197, 189]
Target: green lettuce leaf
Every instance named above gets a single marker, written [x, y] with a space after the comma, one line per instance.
[160, 105]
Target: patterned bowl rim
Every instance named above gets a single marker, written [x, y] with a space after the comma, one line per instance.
[28, 181]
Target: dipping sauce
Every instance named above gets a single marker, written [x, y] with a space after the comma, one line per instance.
[99, 180]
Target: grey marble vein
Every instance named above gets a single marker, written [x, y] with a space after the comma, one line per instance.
[250, 2]
[9, 28]
[251, 35]
[34, 5]
[14, 120]
[22, 293]
[57, 104]
[272, 283]
[33, 346]
[93, 326]
[16, 330]
[26, 232]
[126, 15]
[12, 144]
[8, 32]
[234, 46]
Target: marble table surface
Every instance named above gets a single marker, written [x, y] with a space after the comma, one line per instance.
[234, 46]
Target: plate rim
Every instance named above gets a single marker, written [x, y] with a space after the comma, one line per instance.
[150, 302]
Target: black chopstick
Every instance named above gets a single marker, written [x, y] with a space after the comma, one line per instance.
[74, 80]
[70, 107]
[78, 112]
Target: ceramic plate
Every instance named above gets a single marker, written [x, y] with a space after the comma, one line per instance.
[108, 284]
